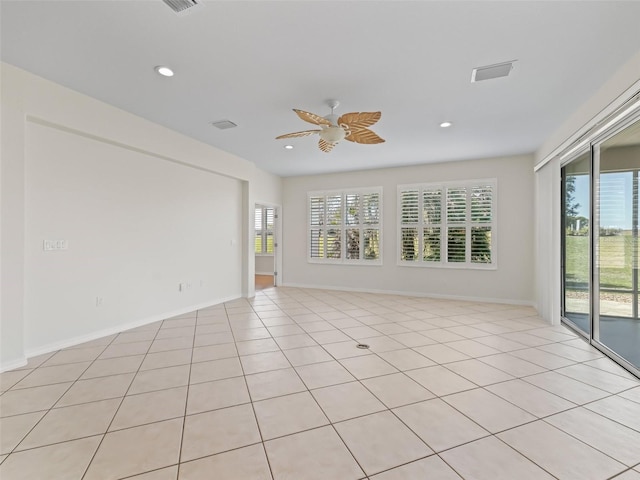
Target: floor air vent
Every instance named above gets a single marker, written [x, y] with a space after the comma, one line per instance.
[182, 7]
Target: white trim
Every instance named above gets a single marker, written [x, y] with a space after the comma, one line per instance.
[264, 273]
[278, 241]
[13, 364]
[614, 128]
[600, 134]
[448, 266]
[565, 148]
[115, 143]
[503, 301]
[55, 346]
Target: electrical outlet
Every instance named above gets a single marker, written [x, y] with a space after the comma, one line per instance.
[51, 245]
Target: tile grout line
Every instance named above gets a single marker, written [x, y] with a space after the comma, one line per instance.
[255, 416]
[400, 371]
[118, 409]
[186, 400]
[54, 404]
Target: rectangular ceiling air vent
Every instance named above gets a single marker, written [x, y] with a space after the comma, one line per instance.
[224, 124]
[182, 7]
[489, 72]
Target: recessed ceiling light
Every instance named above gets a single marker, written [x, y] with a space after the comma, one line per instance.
[446, 124]
[288, 147]
[164, 71]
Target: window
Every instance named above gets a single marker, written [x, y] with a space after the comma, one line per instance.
[264, 230]
[448, 225]
[345, 226]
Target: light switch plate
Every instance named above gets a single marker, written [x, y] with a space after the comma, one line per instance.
[51, 245]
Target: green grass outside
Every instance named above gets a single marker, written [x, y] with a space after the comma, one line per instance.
[258, 244]
[616, 261]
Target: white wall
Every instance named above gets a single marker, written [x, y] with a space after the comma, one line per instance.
[511, 282]
[137, 226]
[143, 208]
[264, 264]
[11, 222]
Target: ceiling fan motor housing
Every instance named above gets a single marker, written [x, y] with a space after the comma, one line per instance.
[333, 118]
[332, 134]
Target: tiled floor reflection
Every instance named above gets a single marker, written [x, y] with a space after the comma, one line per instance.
[275, 388]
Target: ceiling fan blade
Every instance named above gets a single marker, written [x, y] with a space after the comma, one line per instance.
[298, 134]
[356, 120]
[312, 118]
[364, 135]
[325, 146]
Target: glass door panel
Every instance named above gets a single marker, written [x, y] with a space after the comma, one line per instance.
[617, 205]
[576, 187]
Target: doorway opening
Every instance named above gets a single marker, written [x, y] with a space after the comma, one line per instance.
[265, 247]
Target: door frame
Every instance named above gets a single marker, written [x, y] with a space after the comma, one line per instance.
[277, 235]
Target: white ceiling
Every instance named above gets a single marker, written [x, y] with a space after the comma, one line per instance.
[252, 61]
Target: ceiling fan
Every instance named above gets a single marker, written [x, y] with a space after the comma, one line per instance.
[350, 126]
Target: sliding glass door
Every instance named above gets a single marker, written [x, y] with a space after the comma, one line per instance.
[576, 265]
[617, 325]
[600, 245]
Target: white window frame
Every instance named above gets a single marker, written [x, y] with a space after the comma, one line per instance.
[264, 232]
[444, 224]
[343, 226]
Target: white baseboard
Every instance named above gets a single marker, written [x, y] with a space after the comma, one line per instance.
[264, 273]
[19, 362]
[506, 301]
[70, 342]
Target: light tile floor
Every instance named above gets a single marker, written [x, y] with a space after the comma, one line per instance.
[274, 388]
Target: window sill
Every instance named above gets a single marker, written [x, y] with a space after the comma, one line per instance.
[356, 263]
[449, 266]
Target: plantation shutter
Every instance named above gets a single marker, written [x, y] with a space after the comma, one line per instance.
[370, 217]
[456, 244]
[432, 206]
[482, 204]
[258, 230]
[481, 213]
[371, 208]
[447, 225]
[409, 206]
[409, 217]
[344, 226]
[269, 223]
[456, 205]
[316, 211]
[352, 209]
[456, 235]
[431, 219]
[316, 232]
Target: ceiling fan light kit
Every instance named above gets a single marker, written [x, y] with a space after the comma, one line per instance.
[333, 129]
